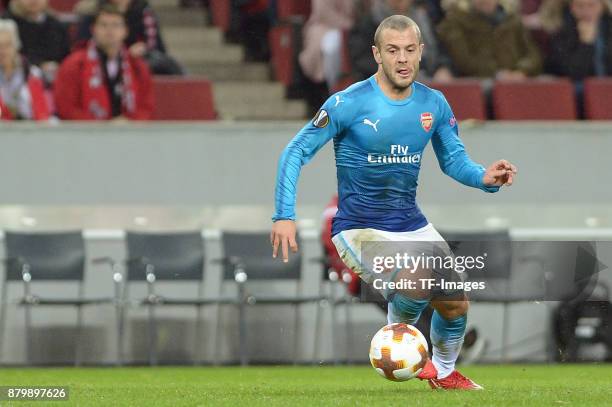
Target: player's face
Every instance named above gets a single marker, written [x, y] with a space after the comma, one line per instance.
[399, 54]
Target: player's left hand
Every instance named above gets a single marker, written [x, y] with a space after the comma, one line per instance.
[499, 173]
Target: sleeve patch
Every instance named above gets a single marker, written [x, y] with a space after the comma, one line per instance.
[321, 119]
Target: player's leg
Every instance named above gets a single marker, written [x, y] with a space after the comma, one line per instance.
[448, 325]
[448, 322]
[403, 308]
[447, 332]
[403, 305]
[407, 305]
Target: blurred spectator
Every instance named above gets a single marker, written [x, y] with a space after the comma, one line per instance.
[254, 22]
[333, 262]
[544, 19]
[487, 41]
[21, 87]
[435, 10]
[103, 80]
[511, 6]
[434, 64]
[321, 56]
[583, 46]
[144, 38]
[548, 17]
[44, 39]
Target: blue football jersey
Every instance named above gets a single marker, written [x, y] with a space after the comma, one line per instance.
[378, 144]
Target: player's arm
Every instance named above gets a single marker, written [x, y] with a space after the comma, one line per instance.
[455, 162]
[298, 152]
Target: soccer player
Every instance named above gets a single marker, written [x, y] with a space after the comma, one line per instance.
[380, 128]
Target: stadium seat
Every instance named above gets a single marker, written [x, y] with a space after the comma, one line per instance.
[336, 286]
[282, 53]
[534, 100]
[247, 259]
[342, 84]
[286, 9]
[598, 98]
[221, 14]
[183, 98]
[45, 257]
[465, 97]
[159, 257]
[62, 6]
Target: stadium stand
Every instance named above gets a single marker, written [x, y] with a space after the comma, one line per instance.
[283, 51]
[183, 98]
[221, 14]
[63, 6]
[289, 9]
[534, 100]
[465, 97]
[597, 100]
[243, 90]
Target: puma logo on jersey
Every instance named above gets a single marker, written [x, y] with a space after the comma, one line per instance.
[369, 123]
[338, 100]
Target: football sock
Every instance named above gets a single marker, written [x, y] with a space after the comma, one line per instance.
[404, 309]
[446, 339]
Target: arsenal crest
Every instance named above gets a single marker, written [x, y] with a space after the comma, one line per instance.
[426, 121]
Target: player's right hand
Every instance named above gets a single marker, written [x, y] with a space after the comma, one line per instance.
[283, 235]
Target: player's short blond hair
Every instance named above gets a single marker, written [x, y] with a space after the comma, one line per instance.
[396, 22]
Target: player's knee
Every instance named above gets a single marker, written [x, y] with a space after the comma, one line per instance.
[461, 308]
[452, 309]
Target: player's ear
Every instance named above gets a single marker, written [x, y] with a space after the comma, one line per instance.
[376, 54]
[421, 48]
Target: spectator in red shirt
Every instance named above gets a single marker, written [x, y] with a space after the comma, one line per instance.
[104, 81]
[21, 87]
[144, 39]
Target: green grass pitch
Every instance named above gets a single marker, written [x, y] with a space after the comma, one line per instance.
[511, 385]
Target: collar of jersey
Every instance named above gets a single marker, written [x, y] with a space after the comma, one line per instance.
[387, 98]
